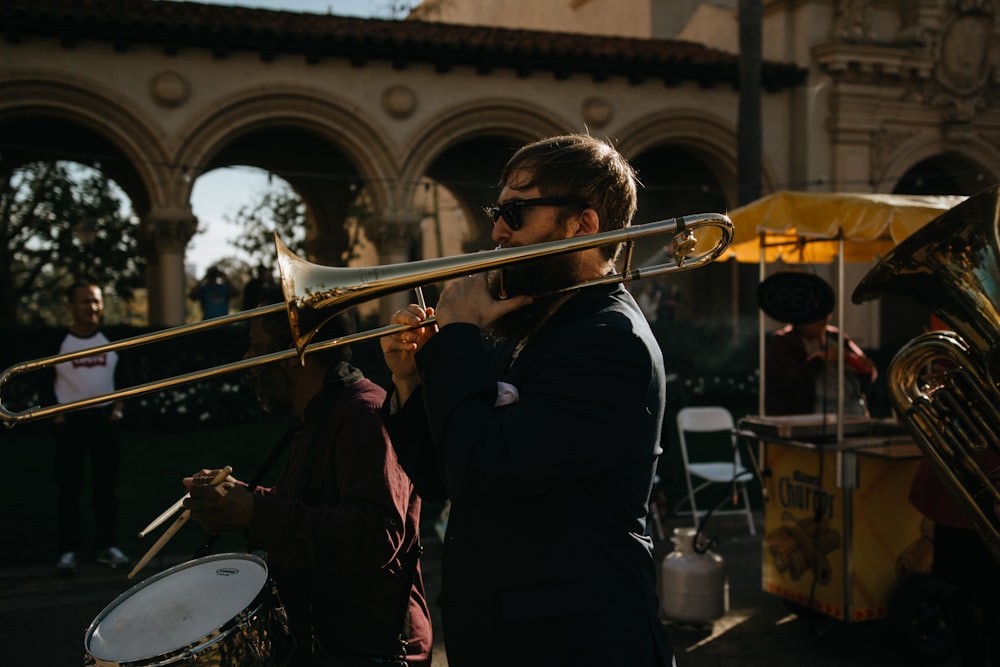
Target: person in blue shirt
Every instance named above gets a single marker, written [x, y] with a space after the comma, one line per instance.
[213, 293]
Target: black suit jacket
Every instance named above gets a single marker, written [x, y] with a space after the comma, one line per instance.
[545, 546]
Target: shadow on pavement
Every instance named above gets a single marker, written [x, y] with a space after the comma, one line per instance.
[762, 630]
[45, 616]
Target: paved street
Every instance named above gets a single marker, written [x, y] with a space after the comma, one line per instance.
[44, 617]
[761, 630]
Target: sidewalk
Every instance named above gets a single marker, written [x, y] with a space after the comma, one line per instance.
[762, 630]
[45, 616]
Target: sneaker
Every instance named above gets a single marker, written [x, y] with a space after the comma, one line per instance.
[67, 562]
[112, 557]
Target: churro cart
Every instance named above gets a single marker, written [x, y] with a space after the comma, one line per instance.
[841, 537]
[839, 533]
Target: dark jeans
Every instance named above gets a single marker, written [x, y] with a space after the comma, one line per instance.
[86, 434]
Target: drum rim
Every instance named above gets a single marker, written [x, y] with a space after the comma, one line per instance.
[206, 640]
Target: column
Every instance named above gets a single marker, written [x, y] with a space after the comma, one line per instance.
[395, 235]
[165, 235]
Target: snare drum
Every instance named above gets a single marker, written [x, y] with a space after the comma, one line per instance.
[217, 610]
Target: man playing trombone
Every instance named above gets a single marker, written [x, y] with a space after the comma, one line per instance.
[340, 526]
[546, 442]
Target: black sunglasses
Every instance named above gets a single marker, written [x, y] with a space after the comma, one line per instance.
[513, 211]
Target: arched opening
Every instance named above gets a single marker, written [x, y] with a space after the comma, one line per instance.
[40, 136]
[327, 181]
[470, 170]
[944, 174]
[82, 217]
[677, 181]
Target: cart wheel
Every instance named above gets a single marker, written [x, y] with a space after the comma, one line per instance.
[923, 618]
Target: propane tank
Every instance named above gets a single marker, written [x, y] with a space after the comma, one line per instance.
[693, 586]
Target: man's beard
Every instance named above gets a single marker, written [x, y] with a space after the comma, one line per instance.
[270, 385]
[536, 278]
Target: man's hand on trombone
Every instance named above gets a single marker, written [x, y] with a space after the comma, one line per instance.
[222, 513]
[469, 300]
[465, 300]
[399, 349]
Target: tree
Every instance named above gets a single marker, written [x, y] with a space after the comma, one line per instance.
[59, 220]
[278, 209]
[400, 9]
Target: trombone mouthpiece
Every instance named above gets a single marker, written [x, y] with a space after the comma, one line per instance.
[501, 273]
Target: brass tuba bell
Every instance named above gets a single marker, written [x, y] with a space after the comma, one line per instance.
[944, 384]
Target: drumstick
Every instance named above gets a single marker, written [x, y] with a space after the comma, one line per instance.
[180, 521]
[167, 534]
[169, 512]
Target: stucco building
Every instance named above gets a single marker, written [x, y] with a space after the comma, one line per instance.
[858, 95]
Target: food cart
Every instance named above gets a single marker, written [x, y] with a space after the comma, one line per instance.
[840, 536]
[838, 530]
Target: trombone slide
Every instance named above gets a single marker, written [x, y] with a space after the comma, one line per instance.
[313, 294]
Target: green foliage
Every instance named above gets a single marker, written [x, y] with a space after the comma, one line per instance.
[59, 220]
[277, 210]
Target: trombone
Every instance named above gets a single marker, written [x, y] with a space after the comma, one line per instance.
[314, 294]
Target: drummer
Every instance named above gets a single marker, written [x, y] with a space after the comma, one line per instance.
[340, 526]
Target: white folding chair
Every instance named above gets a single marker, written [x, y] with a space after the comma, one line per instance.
[711, 419]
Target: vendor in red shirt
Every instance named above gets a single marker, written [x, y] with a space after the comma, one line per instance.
[800, 372]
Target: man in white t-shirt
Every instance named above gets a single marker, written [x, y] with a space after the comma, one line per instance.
[91, 432]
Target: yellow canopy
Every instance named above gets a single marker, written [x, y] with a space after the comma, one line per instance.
[805, 226]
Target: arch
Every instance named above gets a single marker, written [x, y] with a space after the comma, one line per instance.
[946, 166]
[695, 153]
[305, 109]
[707, 136]
[510, 119]
[324, 131]
[464, 149]
[932, 145]
[26, 94]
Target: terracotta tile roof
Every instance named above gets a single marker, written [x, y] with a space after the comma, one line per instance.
[225, 29]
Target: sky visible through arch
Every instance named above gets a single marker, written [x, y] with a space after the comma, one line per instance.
[219, 194]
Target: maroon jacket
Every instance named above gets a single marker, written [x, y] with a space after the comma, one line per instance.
[340, 529]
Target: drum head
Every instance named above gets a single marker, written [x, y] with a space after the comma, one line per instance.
[176, 608]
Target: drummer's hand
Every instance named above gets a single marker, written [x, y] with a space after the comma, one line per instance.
[204, 477]
[223, 509]
[399, 349]
[469, 300]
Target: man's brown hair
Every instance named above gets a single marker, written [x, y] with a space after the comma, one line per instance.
[579, 165]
